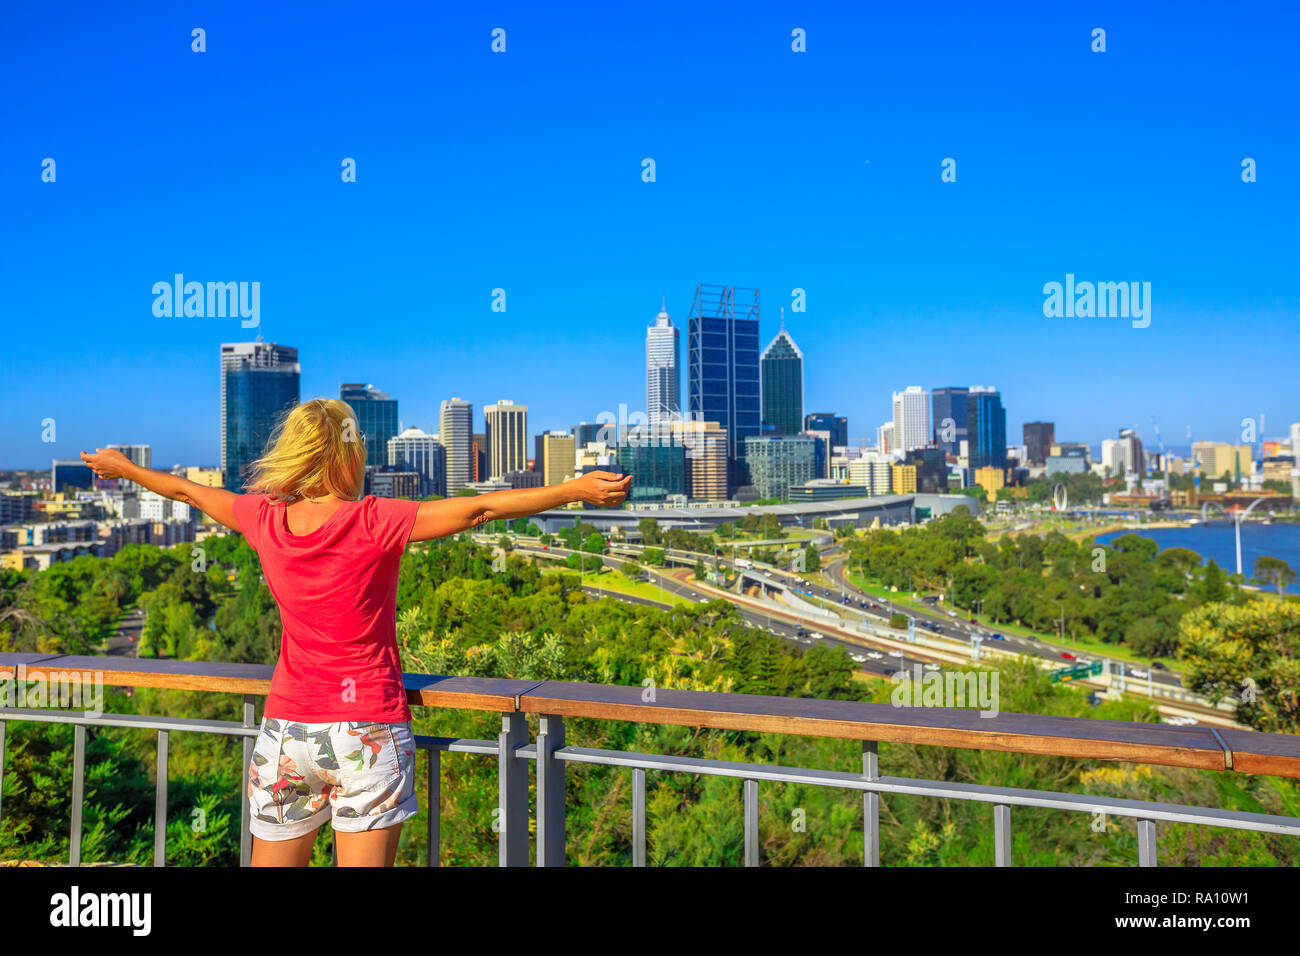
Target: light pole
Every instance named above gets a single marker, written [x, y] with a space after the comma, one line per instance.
[1062, 606]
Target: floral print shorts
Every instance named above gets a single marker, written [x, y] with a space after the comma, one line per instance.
[361, 776]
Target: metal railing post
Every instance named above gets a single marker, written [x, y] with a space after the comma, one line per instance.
[638, 816]
[1146, 842]
[870, 805]
[751, 823]
[245, 831]
[160, 804]
[1001, 834]
[3, 724]
[78, 791]
[433, 850]
[512, 802]
[550, 792]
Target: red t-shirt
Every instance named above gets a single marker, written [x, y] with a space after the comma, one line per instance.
[337, 592]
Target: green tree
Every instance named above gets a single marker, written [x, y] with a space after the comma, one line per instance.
[1273, 572]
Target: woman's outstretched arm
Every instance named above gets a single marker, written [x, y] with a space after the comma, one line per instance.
[437, 519]
[216, 503]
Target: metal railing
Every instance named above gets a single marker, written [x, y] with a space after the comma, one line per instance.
[516, 700]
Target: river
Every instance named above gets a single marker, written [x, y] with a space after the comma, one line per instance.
[1217, 540]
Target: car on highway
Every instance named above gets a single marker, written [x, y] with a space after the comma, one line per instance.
[895, 653]
[973, 621]
[860, 658]
[1138, 672]
[995, 636]
[931, 667]
[1158, 666]
[952, 613]
[875, 655]
[1068, 656]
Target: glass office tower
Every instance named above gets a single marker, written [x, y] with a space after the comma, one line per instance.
[376, 416]
[986, 424]
[949, 404]
[259, 384]
[723, 368]
[782, 373]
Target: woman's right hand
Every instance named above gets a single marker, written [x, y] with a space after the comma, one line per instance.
[602, 488]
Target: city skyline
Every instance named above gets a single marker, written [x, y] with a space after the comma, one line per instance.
[888, 274]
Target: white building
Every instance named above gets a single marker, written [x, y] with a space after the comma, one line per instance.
[872, 469]
[506, 425]
[455, 433]
[154, 507]
[418, 451]
[911, 419]
[885, 438]
[663, 380]
[1110, 457]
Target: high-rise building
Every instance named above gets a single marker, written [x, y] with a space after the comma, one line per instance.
[986, 425]
[1038, 438]
[376, 416]
[586, 432]
[871, 469]
[822, 448]
[781, 366]
[66, 473]
[663, 378]
[885, 443]
[455, 431]
[259, 384]
[141, 455]
[911, 418]
[949, 422]
[723, 365]
[991, 478]
[931, 469]
[778, 461]
[557, 457]
[706, 458]
[1130, 452]
[507, 436]
[837, 425]
[417, 451]
[478, 456]
[903, 479]
[658, 467]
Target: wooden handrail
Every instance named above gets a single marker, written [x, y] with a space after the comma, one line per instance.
[1201, 747]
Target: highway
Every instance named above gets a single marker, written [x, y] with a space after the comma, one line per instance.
[778, 622]
[881, 651]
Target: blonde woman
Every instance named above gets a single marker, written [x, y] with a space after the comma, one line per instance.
[335, 740]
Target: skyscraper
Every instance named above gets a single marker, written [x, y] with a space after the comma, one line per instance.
[376, 416]
[911, 418]
[141, 455]
[776, 462]
[950, 418]
[837, 425]
[455, 426]
[259, 384]
[986, 423]
[723, 368]
[417, 451]
[663, 378]
[781, 366]
[557, 457]
[1039, 437]
[506, 425]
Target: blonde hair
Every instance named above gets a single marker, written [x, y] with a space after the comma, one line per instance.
[315, 449]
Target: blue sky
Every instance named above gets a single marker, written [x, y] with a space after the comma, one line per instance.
[522, 171]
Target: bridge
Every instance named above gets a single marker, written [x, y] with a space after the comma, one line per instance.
[548, 704]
